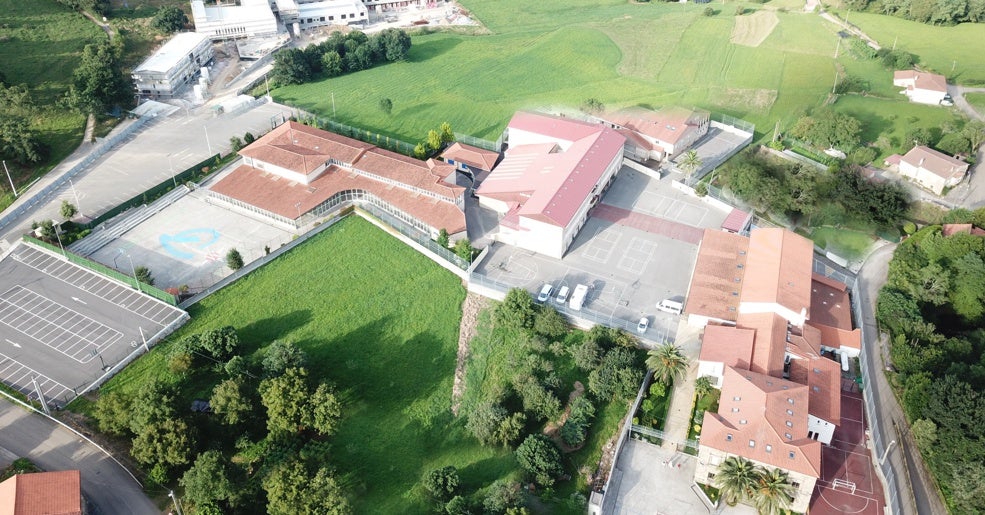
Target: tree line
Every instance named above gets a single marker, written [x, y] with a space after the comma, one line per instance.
[338, 55]
[263, 443]
[933, 307]
[936, 12]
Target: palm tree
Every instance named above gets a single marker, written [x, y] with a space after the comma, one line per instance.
[703, 386]
[689, 162]
[773, 493]
[736, 479]
[667, 362]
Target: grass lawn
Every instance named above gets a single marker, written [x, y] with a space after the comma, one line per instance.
[846, 243]
[977, 100]
[352, 298]
[892, 118]
[707, 402]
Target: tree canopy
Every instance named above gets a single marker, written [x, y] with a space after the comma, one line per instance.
[827, 128]
[169, 18]
[98, 82]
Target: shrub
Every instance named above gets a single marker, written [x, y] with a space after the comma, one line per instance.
[234, 260]
[441, 483]
[143, 274]
[701, 189]
[708, 11]
[909, 227]
[539, 457]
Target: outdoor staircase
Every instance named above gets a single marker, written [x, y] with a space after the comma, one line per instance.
[120, 224]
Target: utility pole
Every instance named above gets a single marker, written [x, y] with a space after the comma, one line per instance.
[207, 142]
[886, 452]
[9, 179]
[171, 167]
[44, 405]
[894, 42]
[78, 204]
[134, 270]
[174, 498]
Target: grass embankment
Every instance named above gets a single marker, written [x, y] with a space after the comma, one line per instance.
[977, 100]
[849, 244]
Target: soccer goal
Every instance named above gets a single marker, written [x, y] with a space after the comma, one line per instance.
[844, 484]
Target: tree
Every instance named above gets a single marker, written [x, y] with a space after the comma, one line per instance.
[386, 105]
[575, 429]
[291, 67]
[331, 64]
[618, 375]
[291, 490]
[68, 210]
[702, 386]
[516, 311]
[668, 362]
[502, 496]
[248, 137]
[281, 355]
[736, 479]
[98, 82]
[974, 131]
[219, 343]
[292, 407]
[113, 413]
[230, 401]
[168, 442]
[420, 151]
[441, 483]
[593, 106]
[540, 458]
[484, 420]
[550, 323]
[773, 494]
[925, 433]
[447, 135]
[325, 410]
[690, 162]
[708, 11]
[458, 505]
[143, 274]
[463, 249]
[396, 44]
[954, 144]
[169, 19]
[234, 260]
[827, 128]
[918, 136]
[235, 143]
[433, 140]
[442, 238]
[17, 141]
[209, 480]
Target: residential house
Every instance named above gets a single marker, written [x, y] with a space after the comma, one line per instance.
[921, 87]
[43, 493]
[772, 329]
[167, 72]
[554, 171]
[930, 169]
[296, 172]
[661, 134]
[469, 159]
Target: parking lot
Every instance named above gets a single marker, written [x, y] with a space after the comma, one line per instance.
[630, 262]
[62, 326]
[186, 243]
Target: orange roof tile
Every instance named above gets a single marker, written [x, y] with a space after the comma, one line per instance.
[830, 304]
[770, 344]
[668, 125]
[778, 269]
[717, 277]
[837, 338]
[473, 156]
[302, 149]
[42, 493]
[763, 418]
[729, 345]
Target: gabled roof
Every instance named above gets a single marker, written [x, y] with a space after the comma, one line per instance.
[549, 181]
[937, 163]
[837, 338]
[42, 493]
[922, 80]
[717, 278]
[770, 344]
[473, 156]
[736, 221]
[778, 269]
[830, 304]
[729, 345]
[951, 229]
[823, 378]
[667, 125]
[763, 418]
[302, 149]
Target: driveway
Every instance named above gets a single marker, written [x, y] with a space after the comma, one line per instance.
[106, 484]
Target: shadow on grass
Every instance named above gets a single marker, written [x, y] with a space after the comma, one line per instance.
[263, 332]
[431, 48]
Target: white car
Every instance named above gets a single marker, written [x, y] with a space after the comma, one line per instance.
[562, 295]
[643, 325]
[545, 293]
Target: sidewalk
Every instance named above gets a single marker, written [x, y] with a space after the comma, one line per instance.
[682, 400]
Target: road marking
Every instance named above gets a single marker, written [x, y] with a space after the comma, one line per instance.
[13, 343]
[76, 299]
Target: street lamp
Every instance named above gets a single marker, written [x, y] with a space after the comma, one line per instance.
[9, 179]
[886, 452]
[174, 498]
[207, 142]
[134, 270]
[171, 167]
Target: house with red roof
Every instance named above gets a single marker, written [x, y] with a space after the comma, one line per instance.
[469, 159]
[771, 330]
[921, 87]
[43, 493]
[661, 134]
[295, 173]
[932, 169]
[554, 171]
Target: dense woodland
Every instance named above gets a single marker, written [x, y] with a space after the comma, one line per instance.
[936, 12]
[339, 54]
[933, 307]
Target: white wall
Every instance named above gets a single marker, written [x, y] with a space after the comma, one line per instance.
[931, 181]
[712, 369]
[925, 96]
[540, 237]
[824, 429]
[794, 318]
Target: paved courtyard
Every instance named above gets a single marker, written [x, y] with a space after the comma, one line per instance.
[186, 243]
[650, 480]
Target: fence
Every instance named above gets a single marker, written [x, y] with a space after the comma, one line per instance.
[154, 191]
[375, 138]
[656, 433]
[738, 123]
[58, 183]
[495, 146]
[104, 270]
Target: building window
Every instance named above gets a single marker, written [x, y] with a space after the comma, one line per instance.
[790, 400]
[735, 410]
[711, 475]
[816, 388]
[789, 412]
[752, 443]
[769, 448]
[331, 18]
[817, 370]
[343, 16]
[743, 421]
[788, 436]
[792, 457]
[736, 398]
[789, 424]
[728, 437]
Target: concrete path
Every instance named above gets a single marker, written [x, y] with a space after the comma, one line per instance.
[681, 406]
[650, 224]
[52, 447]
[957, 94]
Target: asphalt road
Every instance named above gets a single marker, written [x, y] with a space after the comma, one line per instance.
[911, 474]
[109, 488]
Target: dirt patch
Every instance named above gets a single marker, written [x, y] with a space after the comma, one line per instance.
[753, 29]
[471, 307]
[553, 428]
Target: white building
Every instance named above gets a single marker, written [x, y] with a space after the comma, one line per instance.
[306, 14]
[929, 168]
[658, 134]
[226, 21]
[921, 87]
[172, 67]
[554, 171]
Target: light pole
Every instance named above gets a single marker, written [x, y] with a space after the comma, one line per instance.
[134, 270]
[207, 142]
[171, 167]
[174, 498]
[886, 452]
[78, 204]
[9, 179]
[59, 238]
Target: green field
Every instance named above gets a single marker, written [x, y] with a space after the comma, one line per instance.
[977, 100]
[561, 53]
[851, 245]
[891, 118]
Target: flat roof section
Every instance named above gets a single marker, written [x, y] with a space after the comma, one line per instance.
[169, 55]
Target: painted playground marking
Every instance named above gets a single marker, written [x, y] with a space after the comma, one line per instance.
[186, 244]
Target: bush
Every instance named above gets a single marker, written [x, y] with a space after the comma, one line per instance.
[441, 483]
[708, 11]
[701, 189]
[909, 227]
[143, 274]
[540, 458]
[169, 19]
[234, 260]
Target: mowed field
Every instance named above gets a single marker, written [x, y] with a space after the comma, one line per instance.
[381, 322]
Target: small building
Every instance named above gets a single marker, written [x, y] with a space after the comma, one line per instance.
[382, 6]
[661, 134]
[469, 159]
[227, 21]
[554, 171]
[932, 169]
[43, 493]
[306, 14]
[167, 72]
[921, 87]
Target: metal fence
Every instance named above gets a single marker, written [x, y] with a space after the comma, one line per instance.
[375, 138]
[738, 123]
[495, 146]
[58, 183]
[416, 235]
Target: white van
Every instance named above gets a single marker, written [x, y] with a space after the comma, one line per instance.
[562, 295]
[670, 306]
[578, 297]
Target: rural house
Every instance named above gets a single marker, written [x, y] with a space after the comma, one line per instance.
[929, 168]
[167, 72]
[554, 171]
[43, 493]
[921, 87]
[658, 134]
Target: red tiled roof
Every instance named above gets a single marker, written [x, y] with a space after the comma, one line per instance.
[302, 149]
[830, 304]
[922, 80]
[42, 493]
[893, 160]
[823, 377]
[937, 163]
[668, 125]
[837, 338]
[752, 421]
[551, 184]
[473, 156]
[729, 345]
[427, 175]
[770, 343]
[778, 269]
[275, 194]
[736, 221]
[717, 278]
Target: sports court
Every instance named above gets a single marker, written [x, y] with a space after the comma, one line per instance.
[62, 326]
[848, 483]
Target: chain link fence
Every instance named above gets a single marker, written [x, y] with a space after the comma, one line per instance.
[375, 138]
[494, 146]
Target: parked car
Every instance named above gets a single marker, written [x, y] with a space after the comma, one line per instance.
[545, 293]
[562, 295]
[643, 325]
[671, 306]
